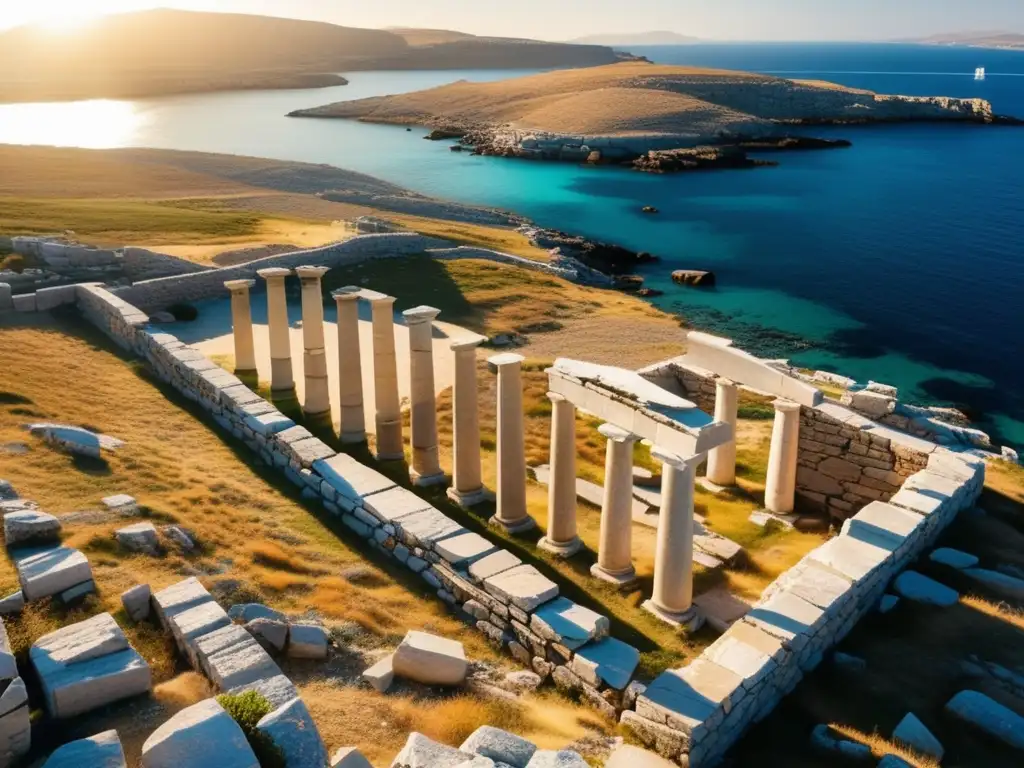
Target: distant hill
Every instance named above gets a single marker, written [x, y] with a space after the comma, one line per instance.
[169, 51]
[620, 40]
[977, 39]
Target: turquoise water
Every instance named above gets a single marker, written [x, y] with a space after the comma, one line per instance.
[898, 259]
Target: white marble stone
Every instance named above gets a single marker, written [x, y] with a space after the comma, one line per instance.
[185, 738]
[523, 586]
[914, 586]
[431, 660]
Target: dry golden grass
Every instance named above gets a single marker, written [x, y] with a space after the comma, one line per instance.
[880, 746]
[503, 239]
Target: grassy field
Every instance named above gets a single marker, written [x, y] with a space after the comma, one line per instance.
[258, 542]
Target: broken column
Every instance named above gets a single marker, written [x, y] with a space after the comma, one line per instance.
[615, 552]
[511, 509]
[426, 464]
[780, 487]
[318, 392]
[561, 537]
[672, 597]
[722, 460]
[241, 325]
[385, 378]
[467, 486]
[281, 378]
[350, 366]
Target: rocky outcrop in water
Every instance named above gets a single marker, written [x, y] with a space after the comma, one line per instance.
[696, 159]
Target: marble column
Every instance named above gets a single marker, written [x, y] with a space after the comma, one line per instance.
[561, 538]
[317, 401]
[241, 325]
[467, 486]
[281, 377]
[722, 460]
[511, 509]
[672, 597]
[350, 366]
[780, 488]
[426, 463]
[385, 378]
[615, 551]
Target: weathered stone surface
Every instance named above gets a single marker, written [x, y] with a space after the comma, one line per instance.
[136, 602]
[77, 592]
[393, 503]
[7, 492]
[271, 634]
[989, 716]
[14, 696]
[121, 503]
[500, 746]
[380, 675]
[8, 666]
[231, 657]
[421, 752]
[914, 586]
[912, 732]
[466, 548]
[564, 758]
[292, 730]
[100, 751]
[276, 689]
[74, 439]
[787, 617]
[1003, 583]
[493, 564]
[246, 612]
[426, 528]
[563, 621]
[195, 623]
[523, 586]
[429, 659]
[882, 525]
[351, 480]
[185, 740]
[523, 681]
[628, 756]
[87, 665]
[13, 603]
[608, 661]
[349, 757]
[852, 558]
[46, 572]
[670, 742]
[307, 641]
[15, 728]
[954, 558]
[141, 537]
[180, 537]
[30, 527]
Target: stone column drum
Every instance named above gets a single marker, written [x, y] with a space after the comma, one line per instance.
[350, 366]
[241, 325]
[467, 486]
[722, 460]
[426, 463]
[385, 378]
[511, 510]
[561, 538]
[281, 378]
[615, 552]
[318, 391]
[780, 488]
[672, 597]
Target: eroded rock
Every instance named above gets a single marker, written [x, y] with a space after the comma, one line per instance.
[430, 659]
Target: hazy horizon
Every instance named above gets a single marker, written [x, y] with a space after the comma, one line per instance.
[728, 20]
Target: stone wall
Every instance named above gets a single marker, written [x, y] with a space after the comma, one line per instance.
[845, 461]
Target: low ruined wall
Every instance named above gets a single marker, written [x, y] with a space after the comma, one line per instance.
[467, 252]
[845, 461]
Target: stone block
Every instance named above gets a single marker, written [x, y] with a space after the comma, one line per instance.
[277, 689]
[352, 481]
[349, 757]
[46, 572]
[246, 612]
[563, 758]
[380, 675]
[193, 623]
[13, 603]
[426, 528]
[918, 502]
[914, 586]
[431, 660]
[608, 662]
[15, 728]
[141, 537]
[422, 752]
[464, 549]
[954, 558]
[854, 559]
[268, 424]
[988, 716]
[271, 634]
[499, 746]
[394, 503]
[121, 503]
[492, 565]
[136, 602]
[100, 751]
[816, 584]
[291, 729]
[563, 621]
[787, 617]
[523, 587]
[667, 741]
[883, 525]
[307, 641]
[913, 733]
[185, 739]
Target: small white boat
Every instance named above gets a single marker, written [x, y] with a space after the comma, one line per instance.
[979, 73]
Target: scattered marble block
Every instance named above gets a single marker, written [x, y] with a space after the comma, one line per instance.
[307, 641]
[8, 666]
[180, 538]
[523, 681]
[232, 658]
[292, 730]
[46, 572]
[954, 558]
[86, 665]
[136, 602]
[30, 527]
[7, 492]
[15, 727]
[75, 440]
[271, 634]
[607, 661]
[431, 660]
[720, 608]
[122, 504]
[422, 752]
[989, 716]
[887, 603]
[912, 732]
[246, 612]
[914, 586]
[349, 757]
[499, 746]
[1003, 583]
[141, 537]
[380, 675]
[628, 756]
[563, 621]
[564, 758]
[13, 603]
[765, 519]
[100, 751]
[185, 740]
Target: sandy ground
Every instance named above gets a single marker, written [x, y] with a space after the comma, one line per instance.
[625, 342]
[212, 336]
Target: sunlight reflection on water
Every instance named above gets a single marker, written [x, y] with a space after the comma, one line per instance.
[95, 124]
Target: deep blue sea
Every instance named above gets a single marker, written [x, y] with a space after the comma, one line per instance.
[899, 259]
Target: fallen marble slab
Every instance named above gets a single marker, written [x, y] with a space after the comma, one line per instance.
[523, 586]
[140, 537]
[499, 746]
[291, 729]
[185, 740]
[380, 675]
[349, 757]
[421, 752]
[592, 493]
[989, 716]
[563, 621]
[912, 732]
[232, 658]
[87, 665]
[100, 751]
[1007, 585]
[75, 439]
[121, 503]
[15, 727]
[431, 660]
[721, 608]
[49, 571]
[954, 558]
[8, 665]
[246, 612]
[307, 641]
[607, 661]
[30, 527]
[136, 602]
[919, 588]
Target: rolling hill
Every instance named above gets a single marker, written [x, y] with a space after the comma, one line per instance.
[1012, 40]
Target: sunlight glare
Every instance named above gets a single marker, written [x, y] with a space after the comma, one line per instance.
[95, 124]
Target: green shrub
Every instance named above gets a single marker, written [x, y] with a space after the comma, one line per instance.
[183, 313]
[247, 709]
[756, 411]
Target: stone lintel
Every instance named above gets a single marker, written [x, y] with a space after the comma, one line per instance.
[274, 272]
[311, 273]
[239, 285]
[421, 314]
[347, 293]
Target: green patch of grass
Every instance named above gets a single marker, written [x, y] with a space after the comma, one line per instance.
[247, 709]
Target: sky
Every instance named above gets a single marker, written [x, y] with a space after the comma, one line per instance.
[566, 19]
